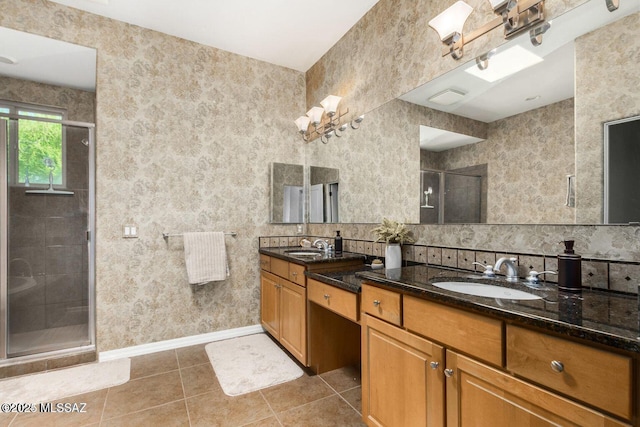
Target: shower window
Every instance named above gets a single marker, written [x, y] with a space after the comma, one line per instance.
[36, 148]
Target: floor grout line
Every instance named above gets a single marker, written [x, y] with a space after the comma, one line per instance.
[184, 392]
[270, 407]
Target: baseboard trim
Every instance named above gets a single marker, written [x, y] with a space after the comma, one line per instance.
[139, 350]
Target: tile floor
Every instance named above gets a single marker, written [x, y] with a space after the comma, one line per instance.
[179, 388]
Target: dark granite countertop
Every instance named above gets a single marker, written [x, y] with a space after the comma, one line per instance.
[603, 317]
[346, 279]
[284, 253]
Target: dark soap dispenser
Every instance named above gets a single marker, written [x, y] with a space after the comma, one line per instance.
[337, 243]
[569, 269]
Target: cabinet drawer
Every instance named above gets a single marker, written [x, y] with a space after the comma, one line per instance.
[279, 267]
[594, 376]
[265, 262]
[296, 274]
[335, 299]
[476, 335]
[382, 303]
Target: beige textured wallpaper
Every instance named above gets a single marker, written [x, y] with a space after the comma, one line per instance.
[185, 135]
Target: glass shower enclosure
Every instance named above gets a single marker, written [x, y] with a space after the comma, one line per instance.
[47, 204]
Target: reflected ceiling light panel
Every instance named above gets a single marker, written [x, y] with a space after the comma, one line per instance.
[505, 63]
[8, 60]
[447, 97]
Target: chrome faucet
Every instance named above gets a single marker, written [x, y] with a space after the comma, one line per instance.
[512, 271]
[322, 244]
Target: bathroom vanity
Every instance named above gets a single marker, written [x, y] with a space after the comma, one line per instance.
[284, 309]
[432, 356]
[562, 359]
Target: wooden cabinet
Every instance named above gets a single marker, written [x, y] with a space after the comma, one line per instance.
[402, 377]
[478, 395]
[481, 377]
[386, 305]
[283, 309]
[594, 376]
[293, 313]
[270, 304]
[339, 301]
[470, 333]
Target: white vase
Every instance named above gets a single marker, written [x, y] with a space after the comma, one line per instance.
[393, 255]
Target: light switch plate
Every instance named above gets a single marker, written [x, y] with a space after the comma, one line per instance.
[130, 231]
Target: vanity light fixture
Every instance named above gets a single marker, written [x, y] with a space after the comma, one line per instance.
[326, 121]
[514, 15]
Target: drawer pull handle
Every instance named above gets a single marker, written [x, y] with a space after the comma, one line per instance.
[557, 366]
[327, 296]
[295, 274]
[376, 303]
[434, 365]
[448, 373]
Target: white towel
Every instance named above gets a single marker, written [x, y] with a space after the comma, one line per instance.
[205, 257]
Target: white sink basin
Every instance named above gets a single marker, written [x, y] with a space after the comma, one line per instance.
[304, 253]
[484, 290]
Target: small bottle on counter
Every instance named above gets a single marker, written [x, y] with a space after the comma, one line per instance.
[569, 269]
[337, 243]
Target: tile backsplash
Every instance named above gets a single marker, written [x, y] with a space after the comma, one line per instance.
[617, 276]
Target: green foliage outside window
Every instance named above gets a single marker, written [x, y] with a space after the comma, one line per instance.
[37, 142]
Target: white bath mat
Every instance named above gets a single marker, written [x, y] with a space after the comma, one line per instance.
[61, 383]
[250, 363]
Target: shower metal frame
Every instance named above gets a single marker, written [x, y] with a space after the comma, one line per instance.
[4, 243]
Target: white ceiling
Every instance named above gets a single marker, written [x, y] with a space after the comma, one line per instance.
[291, 33]
[46, 60]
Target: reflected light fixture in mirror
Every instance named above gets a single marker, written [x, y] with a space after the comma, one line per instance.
[326, 120]
[514, 15]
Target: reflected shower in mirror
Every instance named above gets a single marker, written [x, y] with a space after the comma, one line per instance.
[287, 193]
[324, 195]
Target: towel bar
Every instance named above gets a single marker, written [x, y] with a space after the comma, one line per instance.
[166, 236]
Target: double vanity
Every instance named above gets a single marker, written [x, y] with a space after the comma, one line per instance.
[432, 353]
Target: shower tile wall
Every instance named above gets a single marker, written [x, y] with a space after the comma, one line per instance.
[47, 241]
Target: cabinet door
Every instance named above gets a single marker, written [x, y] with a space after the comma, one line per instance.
[478, 395]
[402, 377]
[270, 304]
[293, 324]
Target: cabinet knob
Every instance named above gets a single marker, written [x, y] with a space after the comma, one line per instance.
[434, 365]
[327, 296]
[448, 373]
[376, 302]
[294, 273]
[557, 366]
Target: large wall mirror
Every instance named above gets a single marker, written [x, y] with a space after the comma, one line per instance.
[473, 146]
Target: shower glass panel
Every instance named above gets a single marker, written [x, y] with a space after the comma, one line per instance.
[48, 291]
[450, 198]
[462, 198]
[430, 206]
